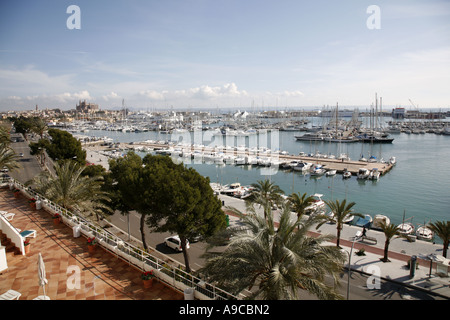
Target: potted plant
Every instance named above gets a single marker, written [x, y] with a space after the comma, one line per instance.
[56, 219]
[147, 278]
[26, 245]
[91, 242]
[32, 203]
[16, 193]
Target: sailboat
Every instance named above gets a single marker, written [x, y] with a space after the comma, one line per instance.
[424, 233]
[406, 228]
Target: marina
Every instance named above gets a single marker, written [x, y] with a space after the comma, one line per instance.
[406, 184]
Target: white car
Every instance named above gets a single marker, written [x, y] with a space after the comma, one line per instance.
[174, 242]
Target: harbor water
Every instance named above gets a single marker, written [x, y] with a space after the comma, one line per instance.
[417, 188]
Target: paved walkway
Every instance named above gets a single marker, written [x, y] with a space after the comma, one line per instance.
[400, 251]
[102, 276]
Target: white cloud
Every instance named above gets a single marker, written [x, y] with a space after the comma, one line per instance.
[111, 96]
[286, 94]
[152, 95]
[204, 92]
[30, 79]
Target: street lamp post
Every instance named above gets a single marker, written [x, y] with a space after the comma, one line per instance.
[357, 236]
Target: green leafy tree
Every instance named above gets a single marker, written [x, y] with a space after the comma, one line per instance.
[125, 185]
[168, 196]
[340, 211]
[22, 125]
[193, 209]
[442, 230]
[274, 262]
[63, 145]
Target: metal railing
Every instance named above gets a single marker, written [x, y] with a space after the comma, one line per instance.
[173, 276]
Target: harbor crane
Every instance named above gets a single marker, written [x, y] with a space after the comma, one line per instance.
[414, 105]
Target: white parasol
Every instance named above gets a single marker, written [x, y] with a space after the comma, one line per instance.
[41, 274]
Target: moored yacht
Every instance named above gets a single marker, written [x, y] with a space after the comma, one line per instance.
[311, 137]
[317, 205]
[363, 173]
[318, 170]
[374, 174]
[302, 166]
[378, 220]
[346, 174]
[424, 233]
[406, 228]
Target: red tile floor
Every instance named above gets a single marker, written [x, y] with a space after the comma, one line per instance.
[101, 275]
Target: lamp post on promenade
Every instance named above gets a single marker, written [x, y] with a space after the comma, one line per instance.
[357, 236]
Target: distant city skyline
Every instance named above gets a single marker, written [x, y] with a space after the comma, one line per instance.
[218, 54]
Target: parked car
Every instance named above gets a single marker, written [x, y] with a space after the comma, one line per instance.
[174, 242]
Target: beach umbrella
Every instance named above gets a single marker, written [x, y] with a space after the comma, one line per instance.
[41, 273]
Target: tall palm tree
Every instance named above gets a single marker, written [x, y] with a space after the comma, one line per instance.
[266, 194]
[300, 203]
[8, 158]
[390, 230]
[442, 230]
[340, 212]
[275, 262]
[71, 190]
[39, 127]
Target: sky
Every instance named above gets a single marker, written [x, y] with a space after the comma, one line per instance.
[242, 54]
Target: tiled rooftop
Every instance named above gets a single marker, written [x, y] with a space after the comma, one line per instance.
[103, 276]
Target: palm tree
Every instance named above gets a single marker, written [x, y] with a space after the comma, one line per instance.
[300, 203]
[8, 158]
[39, 127]
[266, 194]
[340, 212]
[442, 230]
[71, 190]
[274, 262]
[390, 230]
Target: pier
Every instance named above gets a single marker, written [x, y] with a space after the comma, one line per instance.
[340, 165]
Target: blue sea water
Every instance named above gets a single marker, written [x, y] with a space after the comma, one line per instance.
[417, 187]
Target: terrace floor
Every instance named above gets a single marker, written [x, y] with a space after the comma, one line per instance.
[102, 276]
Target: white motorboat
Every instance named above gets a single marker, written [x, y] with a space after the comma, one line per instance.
[424, 233]
[392, 160]
[289, 165]
[318, 170]
[241, 161]
[302, 166]
[230, 189]
[317, 205]
[346, 174]
[406, 228]
[378, 220]
[253, 161]
[374, 174]
[330, 173]
[363, 173]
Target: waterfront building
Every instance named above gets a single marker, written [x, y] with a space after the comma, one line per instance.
[398, 113]
[86, 107]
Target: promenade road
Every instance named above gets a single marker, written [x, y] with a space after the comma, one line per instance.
[400, 251]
